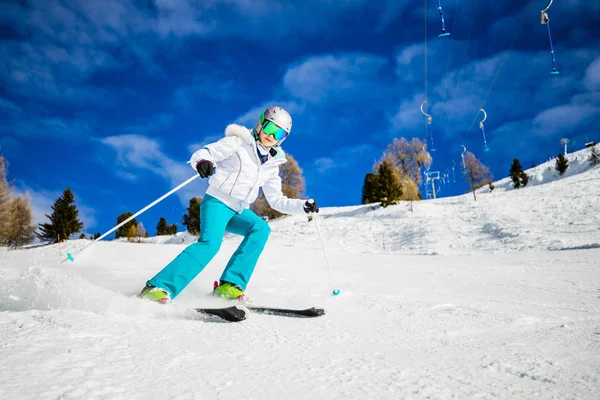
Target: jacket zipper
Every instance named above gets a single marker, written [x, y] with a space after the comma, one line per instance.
[239, 172]
[259, 172]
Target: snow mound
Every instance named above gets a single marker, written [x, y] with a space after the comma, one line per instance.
[546, 172]
[44, 288]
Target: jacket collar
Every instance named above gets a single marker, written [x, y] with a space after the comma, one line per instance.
[247, 135]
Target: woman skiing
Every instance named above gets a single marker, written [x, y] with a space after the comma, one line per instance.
[238, 165]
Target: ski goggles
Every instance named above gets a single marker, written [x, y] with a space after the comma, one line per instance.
[272, 129]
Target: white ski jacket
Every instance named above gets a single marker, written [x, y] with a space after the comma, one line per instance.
[239, 173]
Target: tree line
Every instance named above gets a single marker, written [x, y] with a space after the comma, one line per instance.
[396, 176]
[16, 227]
[16, 216]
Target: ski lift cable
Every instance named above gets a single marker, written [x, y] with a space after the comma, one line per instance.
[462, 69]
[425, 63]
[425, 46]
[517, 33]
[450, 52]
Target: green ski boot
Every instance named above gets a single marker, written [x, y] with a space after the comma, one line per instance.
[155, 294]
[228, 291]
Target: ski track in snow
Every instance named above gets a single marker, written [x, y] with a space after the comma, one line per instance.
[469, 300]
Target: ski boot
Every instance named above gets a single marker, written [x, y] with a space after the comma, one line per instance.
[228, 290]
[155, 294]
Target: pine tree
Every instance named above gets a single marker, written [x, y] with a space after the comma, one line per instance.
[594, 156]
[390, 190]
[123, 231]
[20, 230]
[63, 221]
[476, 174]
[562, 164]
[82, 236]
[173, 229]
[518, 176]
[191, 219]
[162, 228]
[369, 189]
[524, 178]
[96, 235]
[515, 173]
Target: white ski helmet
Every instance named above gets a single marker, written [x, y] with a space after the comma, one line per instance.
[279, 117]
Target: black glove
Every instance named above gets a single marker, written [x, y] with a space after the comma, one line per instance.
[205, 168]
[311, 206]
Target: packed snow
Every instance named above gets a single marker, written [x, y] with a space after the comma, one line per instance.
[440, 299]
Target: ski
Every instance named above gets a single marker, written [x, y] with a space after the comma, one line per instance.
[287, 312]
[235, 313]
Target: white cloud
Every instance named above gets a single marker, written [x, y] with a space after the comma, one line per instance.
[55, 128]
[128, 176]
[45, 70]
[327, 78]
[523, 90]
[586, 98]
[408, 115]
[10, 107]
[153, 123]
[250, 117]
[592, 76]
[406, 56]
[324, 164]
[342, 158]
[564, 118]
[142, 153]
[192, 148]
[205, 86]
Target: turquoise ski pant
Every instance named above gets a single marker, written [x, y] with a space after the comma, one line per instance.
[215, 219]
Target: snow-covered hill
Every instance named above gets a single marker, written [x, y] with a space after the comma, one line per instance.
[561, 214]
[552, 213]
[579, 162]
[452, 299]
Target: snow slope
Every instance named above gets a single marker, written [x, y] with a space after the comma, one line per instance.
[498, 298]
[560, 214]
[546, 172]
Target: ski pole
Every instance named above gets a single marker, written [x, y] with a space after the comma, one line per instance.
[335, 291]
[70, 255]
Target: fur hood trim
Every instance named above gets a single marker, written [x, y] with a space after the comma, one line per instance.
[240, 131]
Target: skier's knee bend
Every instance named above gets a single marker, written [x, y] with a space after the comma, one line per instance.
[211, 245]
[260, 230]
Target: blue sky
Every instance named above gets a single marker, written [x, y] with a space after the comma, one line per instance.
[111, 97]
